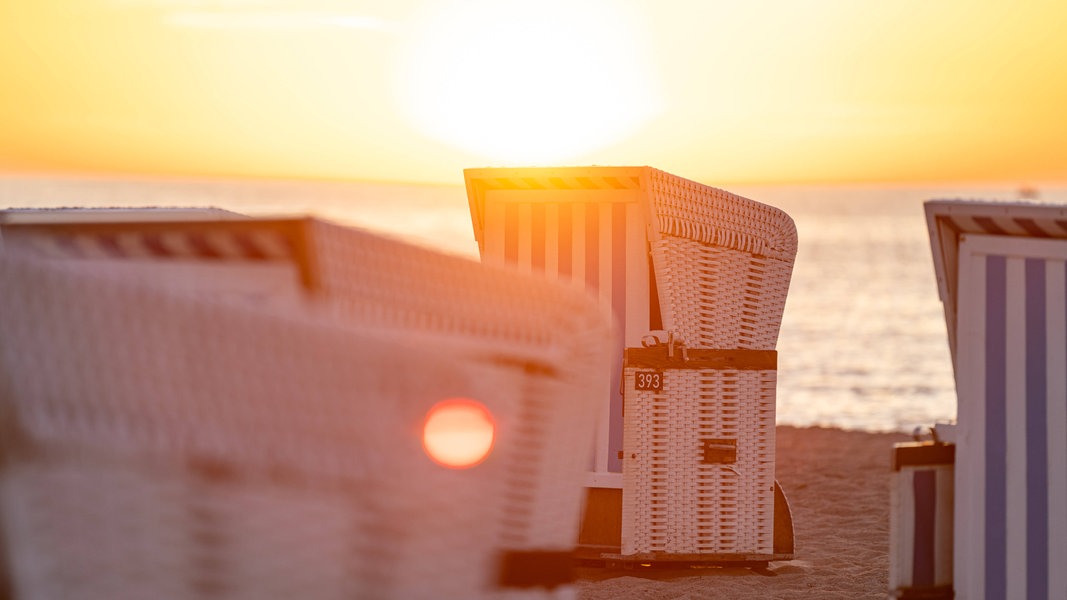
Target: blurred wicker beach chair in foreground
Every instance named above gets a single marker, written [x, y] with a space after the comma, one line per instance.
[167, 442]
[1002, 277]
[696, 278]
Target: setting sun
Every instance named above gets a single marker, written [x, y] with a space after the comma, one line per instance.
[516, 85]
[458, 433]
[416, 91]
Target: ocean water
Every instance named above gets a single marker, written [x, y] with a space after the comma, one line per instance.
[862, 345]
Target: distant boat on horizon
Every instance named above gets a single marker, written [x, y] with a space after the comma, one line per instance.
[1029, 192]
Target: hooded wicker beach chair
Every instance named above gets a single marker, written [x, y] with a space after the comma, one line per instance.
[1002, 277]
[165, 441]
[696, 278]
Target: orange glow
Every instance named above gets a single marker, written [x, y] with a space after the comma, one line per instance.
[416, 91]
[458, 433]
[519, 85]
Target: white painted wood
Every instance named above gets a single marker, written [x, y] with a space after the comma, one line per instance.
[552, 241]
[524, 250]
[637, 286]
[902, 529]
[969, 524]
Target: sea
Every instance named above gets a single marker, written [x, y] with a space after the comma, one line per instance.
[863, 342]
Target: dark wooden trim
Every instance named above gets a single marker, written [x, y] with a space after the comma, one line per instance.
[602, 520]
[739, 359]
[784, 542]
[942, 592]
[923, 454]
[699, 558]
[535, 569]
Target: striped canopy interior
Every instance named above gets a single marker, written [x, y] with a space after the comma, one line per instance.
[947, 220]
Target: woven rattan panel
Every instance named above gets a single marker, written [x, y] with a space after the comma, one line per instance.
[718, 297]
[675, 502]
[695, 211]
[722, 262]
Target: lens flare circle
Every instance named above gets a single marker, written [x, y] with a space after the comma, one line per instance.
[458, 433]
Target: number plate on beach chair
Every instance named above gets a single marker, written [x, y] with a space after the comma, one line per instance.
[648, 381]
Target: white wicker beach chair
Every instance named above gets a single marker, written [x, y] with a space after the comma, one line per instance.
[1002, 276]
[162, 443]
[706, 272]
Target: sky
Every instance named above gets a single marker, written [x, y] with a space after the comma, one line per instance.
[766, 91]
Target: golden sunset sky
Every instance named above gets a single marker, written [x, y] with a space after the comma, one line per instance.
[410, 90]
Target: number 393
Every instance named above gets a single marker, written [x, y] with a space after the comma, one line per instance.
[648, 381]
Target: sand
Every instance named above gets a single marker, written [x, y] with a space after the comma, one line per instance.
[838, 485]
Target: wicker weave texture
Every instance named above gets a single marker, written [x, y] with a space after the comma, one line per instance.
[718, 297]
[688, 209]
[673, 501]
[721, 267]
[414, 289]
[723, 264]
[171, 446]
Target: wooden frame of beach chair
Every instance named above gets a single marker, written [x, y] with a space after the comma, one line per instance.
[1001, 276]
[702, 267]
[228, 429]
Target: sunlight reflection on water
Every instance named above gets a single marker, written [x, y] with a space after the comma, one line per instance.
[863, 341]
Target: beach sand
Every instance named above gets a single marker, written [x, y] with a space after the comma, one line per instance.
[838, 485]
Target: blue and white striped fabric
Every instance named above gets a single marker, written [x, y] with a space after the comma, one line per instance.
[1011, 373]
[921, 520]
[949, 220]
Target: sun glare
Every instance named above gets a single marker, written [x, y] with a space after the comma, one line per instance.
[458, 433]
[517, 84]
